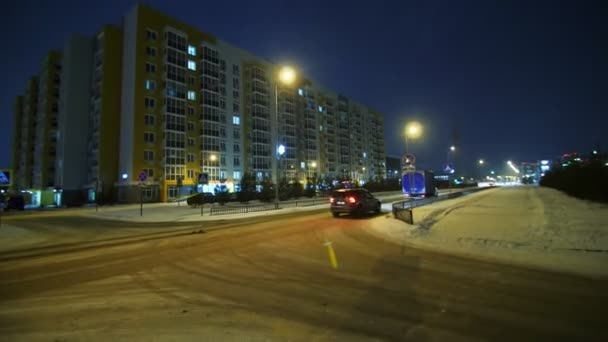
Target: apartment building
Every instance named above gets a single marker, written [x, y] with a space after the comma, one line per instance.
[18, 115]
[72, 118]
[43, 173]
[104, 116]
[25, 111]
[167, 103]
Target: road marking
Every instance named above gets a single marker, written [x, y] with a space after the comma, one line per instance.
[332, 254]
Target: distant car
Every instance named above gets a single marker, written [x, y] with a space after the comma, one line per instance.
[353, 201]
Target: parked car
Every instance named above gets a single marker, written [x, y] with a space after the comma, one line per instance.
[201, 198]
[353, 201]
[13, 202]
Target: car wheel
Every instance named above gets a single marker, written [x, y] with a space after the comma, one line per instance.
[335, 213]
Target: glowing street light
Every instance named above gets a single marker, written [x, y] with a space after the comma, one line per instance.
[313, 164]
[287, 75]
[452, 148]
[481, 162]
[413, 130]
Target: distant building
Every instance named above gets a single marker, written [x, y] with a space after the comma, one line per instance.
[393, 167]
[529, 172]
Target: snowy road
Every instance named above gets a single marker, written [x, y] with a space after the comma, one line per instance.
[272, 279]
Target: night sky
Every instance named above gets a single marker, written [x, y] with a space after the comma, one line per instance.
[522, 80]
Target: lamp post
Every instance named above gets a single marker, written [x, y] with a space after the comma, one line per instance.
[413, 130]
[212, 159]
[286, 76]
[280, 152]
[452, 149]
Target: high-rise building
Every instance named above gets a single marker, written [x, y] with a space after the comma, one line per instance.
[168, 103]
[104, 115]
[46, 121]
[73, 119]
[18, 115]
[25, 132]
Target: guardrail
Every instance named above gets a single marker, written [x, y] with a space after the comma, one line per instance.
[403, 210]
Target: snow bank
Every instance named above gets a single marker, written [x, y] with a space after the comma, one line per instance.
[532, 226]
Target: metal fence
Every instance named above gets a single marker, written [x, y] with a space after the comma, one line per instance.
[226, 210]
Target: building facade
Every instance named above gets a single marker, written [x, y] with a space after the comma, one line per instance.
[168, 103]
[45, 146]
[25, 135]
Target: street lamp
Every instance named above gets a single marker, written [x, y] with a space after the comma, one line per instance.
[213, 159]
[413, 130]
[452, 149]
[287, 76]
[480, 161]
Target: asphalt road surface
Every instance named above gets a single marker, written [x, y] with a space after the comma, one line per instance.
[277, 280]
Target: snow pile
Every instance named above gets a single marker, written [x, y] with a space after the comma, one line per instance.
[525, 225]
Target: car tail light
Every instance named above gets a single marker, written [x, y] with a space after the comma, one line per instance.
[352, 200]
[331, 200]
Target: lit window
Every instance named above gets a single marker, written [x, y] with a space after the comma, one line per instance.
[191, 65]
[236, 120]
[302, 165]
[150, 85]
[321, 128]
[191, 50]
[236, 175]
[191, 95]
[190, 174]
[320, 108]
[301, 92]
[364, 154]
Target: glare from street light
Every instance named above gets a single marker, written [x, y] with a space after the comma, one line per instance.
[313, 164]
[513, 167]
[281, 149]
[413, 130]
[213, 157]
[452, 148]
[287, 75]
[480, 161]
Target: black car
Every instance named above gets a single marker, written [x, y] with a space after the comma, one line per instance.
[13, 202]
[353, 201]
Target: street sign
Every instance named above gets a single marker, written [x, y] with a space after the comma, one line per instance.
[448, 168]
[203, 178]
[409, 159]
[143, 176]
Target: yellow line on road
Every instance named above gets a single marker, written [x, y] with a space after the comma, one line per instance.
[332, 254]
